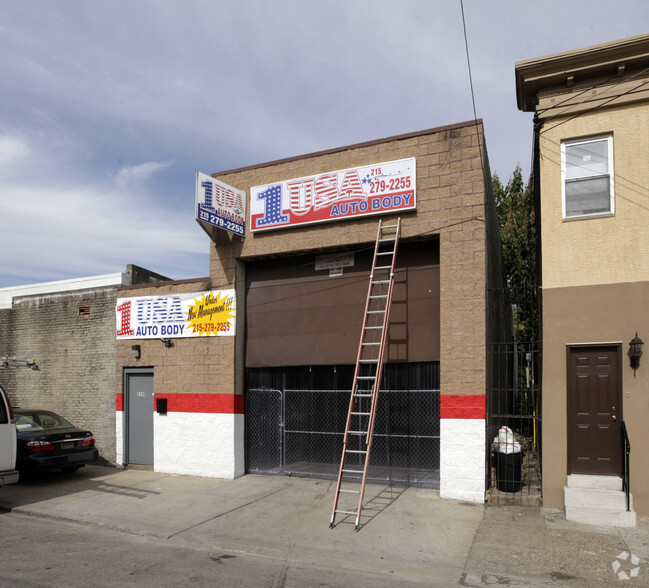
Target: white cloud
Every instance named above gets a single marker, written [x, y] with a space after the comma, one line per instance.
[12, 150]
[135, 176]
[110, 108]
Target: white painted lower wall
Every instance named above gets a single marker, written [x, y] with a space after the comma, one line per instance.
[199, 444]
[119, 436]
[462, 459]
[193, 444]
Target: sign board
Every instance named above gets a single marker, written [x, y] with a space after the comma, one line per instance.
[197, 314]
[219, 206]
[329, 262]
[372, 189]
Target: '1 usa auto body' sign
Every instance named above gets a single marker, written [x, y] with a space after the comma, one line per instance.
[373, 189]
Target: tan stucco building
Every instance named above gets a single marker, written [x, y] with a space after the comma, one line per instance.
[592, 116]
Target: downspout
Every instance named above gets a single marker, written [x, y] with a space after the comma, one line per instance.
[536, 188]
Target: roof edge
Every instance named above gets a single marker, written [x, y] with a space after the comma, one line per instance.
[402, 137]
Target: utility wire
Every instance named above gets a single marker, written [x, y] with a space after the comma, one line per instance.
[594, 108]
[589, 89]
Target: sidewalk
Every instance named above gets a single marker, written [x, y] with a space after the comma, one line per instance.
[407, 534]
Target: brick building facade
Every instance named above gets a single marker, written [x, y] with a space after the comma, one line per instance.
[68, 327]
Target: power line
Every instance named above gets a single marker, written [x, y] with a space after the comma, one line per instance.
[589, 89]
[594, 108]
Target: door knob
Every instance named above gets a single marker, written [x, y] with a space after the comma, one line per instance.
[614, 417]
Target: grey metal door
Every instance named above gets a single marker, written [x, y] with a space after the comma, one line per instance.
[139, 417]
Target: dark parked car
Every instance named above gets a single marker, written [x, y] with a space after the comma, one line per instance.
[46, 441]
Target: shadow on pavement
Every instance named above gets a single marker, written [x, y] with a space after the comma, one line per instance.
[51, 485]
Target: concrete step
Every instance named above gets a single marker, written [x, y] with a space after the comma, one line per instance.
[594, 498]
[597, 501]
[597, 482]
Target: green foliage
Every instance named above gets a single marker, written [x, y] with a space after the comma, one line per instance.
[516, 217]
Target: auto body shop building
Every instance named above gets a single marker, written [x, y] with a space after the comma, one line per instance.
[250, 369]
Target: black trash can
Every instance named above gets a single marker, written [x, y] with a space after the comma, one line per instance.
[508, 471]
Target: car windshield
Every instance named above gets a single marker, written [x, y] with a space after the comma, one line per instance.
[40, 421]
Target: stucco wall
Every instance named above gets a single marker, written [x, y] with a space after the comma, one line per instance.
[595, 314]
[595, 283]
[605, 250]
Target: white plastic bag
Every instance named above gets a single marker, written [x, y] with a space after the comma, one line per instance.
[505, 442]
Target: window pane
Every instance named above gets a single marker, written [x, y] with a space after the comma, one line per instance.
[587, 159]
[588, 196]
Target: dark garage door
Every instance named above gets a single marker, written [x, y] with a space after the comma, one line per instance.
[301, 317]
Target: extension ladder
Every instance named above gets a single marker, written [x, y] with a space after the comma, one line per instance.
[363, 401]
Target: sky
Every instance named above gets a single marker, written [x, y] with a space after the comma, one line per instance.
[108, 109]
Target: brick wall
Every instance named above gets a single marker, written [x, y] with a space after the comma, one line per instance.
[75, 354]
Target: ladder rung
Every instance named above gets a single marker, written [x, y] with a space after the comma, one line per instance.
[355, 451]
[376, 312]
[371, 343]
[389, 226]
[357, 432]
[381, 282]
[350, 491]
[383, 267]
[369, 361]
[353, 471]
[352, 512]
[377, 296]
[373, 328]
[387, 239]
[362, 396]
[366, 377]
[385, 252]
[361, 413]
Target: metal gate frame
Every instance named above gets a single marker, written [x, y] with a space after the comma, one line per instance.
[514, 401]
[310, 425]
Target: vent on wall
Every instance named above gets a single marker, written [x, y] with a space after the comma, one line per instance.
[84, 310]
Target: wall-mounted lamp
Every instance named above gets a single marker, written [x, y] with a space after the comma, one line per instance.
[635, 351]
[167, 342]
[135, 350]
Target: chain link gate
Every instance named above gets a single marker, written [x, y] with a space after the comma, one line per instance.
[303, 426]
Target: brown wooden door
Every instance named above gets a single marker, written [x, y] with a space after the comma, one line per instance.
[594, 410]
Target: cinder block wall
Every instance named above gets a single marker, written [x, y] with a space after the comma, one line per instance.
[196, 365]
[76, 356]
[450, 205]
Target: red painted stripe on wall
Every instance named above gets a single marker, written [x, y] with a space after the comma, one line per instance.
[462, 406]
[201, 403]
[208, 403]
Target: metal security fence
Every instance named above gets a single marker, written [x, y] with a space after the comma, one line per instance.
[299, 430]
[514, 402]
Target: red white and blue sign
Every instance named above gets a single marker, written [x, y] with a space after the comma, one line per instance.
[360, 191]
[219, 205]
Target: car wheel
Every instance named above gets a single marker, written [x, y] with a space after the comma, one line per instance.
[69, 469]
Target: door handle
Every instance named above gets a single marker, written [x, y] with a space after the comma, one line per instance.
[614, 417]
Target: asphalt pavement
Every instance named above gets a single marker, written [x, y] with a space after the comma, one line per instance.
[406, 534]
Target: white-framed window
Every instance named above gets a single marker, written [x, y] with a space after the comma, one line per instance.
[587, 177]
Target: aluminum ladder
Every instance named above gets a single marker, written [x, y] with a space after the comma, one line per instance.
[363, 401]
